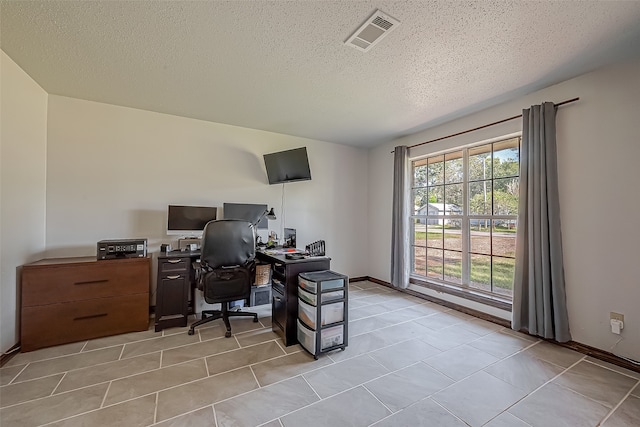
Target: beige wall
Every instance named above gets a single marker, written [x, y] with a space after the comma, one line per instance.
[598, 155]
[112, 171]
[23, 145]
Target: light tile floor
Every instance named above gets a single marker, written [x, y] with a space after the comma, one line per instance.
[409, 363]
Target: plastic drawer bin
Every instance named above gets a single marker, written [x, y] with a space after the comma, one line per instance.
[330, 313]
[332, 296]
[327, 280]
[307, 297]
[307, 338]
[312, 299]
[329, 337]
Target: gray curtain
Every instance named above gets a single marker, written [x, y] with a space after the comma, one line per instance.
[400, 220]
[539, 299]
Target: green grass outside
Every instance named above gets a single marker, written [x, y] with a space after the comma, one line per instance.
[421, 235]
[481, 272]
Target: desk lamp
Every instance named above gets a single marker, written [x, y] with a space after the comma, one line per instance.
[269, 214]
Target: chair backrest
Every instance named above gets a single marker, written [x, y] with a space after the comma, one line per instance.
[227, 242]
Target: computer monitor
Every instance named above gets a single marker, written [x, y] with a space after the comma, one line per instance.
[189, 220]
[246, 211]
[289, 238]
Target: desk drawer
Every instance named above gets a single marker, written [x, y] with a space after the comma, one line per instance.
[174, 264]
[55, 324]
[76, 282]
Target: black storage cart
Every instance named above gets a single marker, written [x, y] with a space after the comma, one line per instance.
[323, 311]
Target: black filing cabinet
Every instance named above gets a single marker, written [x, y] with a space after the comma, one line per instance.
[173, 288]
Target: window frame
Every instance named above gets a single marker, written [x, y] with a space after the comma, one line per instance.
[464, 288]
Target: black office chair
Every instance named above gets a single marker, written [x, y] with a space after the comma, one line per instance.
[227, 268]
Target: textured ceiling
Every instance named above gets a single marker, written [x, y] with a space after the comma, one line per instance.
[282, 66]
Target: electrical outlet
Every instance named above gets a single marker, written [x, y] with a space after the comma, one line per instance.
[616, 316]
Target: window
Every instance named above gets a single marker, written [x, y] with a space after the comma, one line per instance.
[465, 217]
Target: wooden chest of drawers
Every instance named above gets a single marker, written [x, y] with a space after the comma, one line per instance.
[73, 299]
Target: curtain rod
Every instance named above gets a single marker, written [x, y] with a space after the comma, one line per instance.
[568, 101]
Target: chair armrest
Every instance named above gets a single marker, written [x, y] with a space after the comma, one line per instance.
[199, 270]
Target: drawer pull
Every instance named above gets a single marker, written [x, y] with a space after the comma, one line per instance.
[91, 316]
[174, 261]
[89, 282]
[173, 277]
[277, 299]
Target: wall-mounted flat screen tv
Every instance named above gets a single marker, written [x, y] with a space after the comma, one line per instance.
[287, 166]
[246, 211]
[189, 220]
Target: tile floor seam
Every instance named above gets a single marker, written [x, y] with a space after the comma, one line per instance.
[516, 417]
[588, 397]
[475, 372]
[86, 343]
[381, 365]
[611, 369]
[66, 418]
[98, 408]
[270, 421]
[310, 386]
[542, 385]
[615, 407]
[73, 369]
[63, 355]
[206, 365]
[16, 376]
[191, 411]
[507, 411]
[395, 371]
[180, 346]
[254, 376]
[548, 361]
[215, 414]
[215, 354]
[381, 348]
[155, 409]
[455, 381]
[443, 407]
[249, 365]
[560, 385]
[279, 345]
[58, 385]
[376, 398]
[47, 397]
[238, 395]
[321, 400]
[106, 393]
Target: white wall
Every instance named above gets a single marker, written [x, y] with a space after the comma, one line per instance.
[598, 158]
[112, 171]
[23, 145]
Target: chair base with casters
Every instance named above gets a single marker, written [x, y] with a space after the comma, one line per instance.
[224, 314]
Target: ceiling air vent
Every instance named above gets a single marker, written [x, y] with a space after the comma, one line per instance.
[372, 31]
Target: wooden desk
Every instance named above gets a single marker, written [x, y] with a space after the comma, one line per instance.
[74, 299]
[284, 290]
